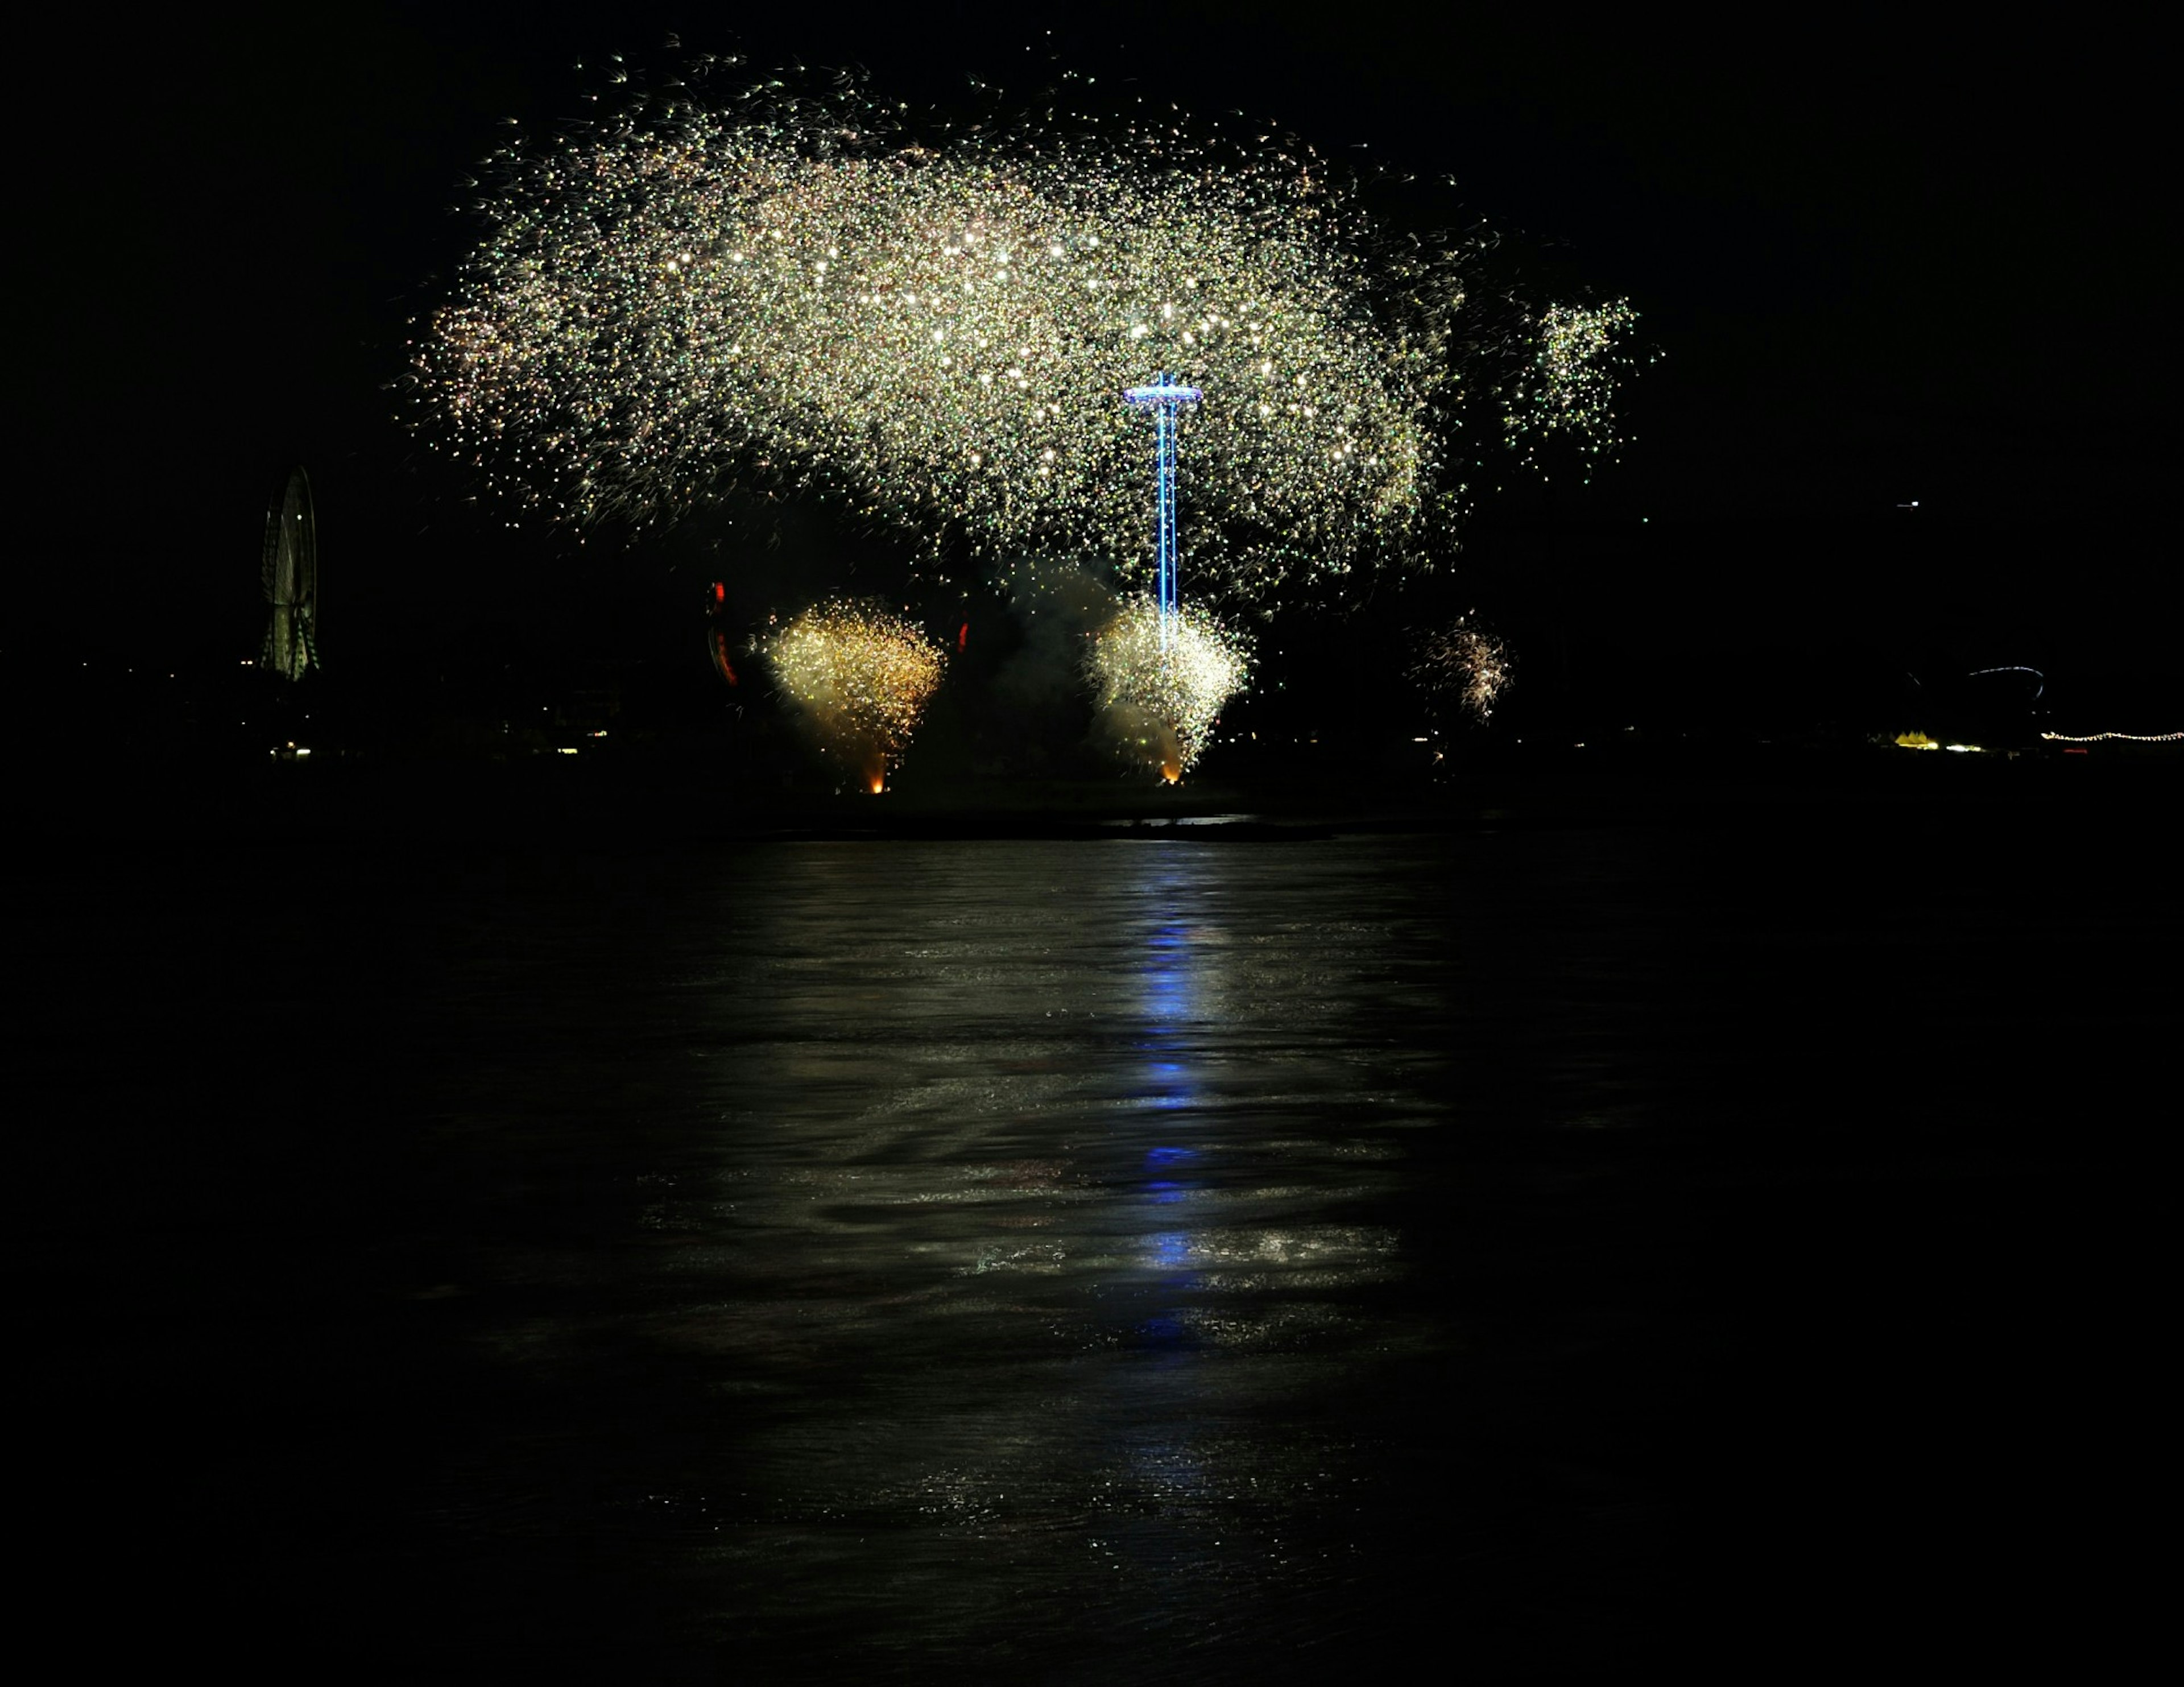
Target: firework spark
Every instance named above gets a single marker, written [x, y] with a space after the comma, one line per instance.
[861, 677]
[1466, 661]
[1160, 703]
[1570, 388]
[780, 290]
[786, 296]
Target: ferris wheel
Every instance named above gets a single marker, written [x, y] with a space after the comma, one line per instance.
[291, 580]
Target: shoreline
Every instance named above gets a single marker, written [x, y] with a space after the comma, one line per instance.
[666, 801]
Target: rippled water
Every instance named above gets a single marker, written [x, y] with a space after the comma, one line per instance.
[1026, 1229]
[1074, 1261]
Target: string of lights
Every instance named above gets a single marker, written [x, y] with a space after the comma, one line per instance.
[2127, 737]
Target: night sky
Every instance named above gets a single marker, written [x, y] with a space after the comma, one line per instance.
[1728, 1191]
[1879, 266]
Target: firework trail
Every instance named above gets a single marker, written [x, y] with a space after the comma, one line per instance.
[1466, 661]
[860, 677]
[1159, 703]
[779, 293]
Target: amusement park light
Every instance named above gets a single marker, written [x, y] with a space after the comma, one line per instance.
[1164, 397]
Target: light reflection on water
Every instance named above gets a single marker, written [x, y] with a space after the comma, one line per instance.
[1075, 1149]
[1021, 1238]
[1135, 1260]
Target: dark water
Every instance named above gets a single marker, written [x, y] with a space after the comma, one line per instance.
[1574, 1251]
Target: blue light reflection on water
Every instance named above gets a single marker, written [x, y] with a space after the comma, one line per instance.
[1169, 1005]
[1167, 1008]
[786, 1229]
[1035, 1205]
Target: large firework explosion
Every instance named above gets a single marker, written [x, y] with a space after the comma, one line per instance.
[776, 291]
[860, 677]
[1159, 697]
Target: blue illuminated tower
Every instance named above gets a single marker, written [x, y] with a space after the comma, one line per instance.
[1164, 397]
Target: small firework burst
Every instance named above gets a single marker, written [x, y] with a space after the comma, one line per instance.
[1161, 701]
[859, 675]
[1467, 662]
[1570, 388]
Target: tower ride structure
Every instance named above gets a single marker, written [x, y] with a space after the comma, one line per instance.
[290, 571]
[1165, 397]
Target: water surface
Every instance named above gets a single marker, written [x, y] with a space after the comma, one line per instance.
[1034, 1233]
[1169, 1258]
